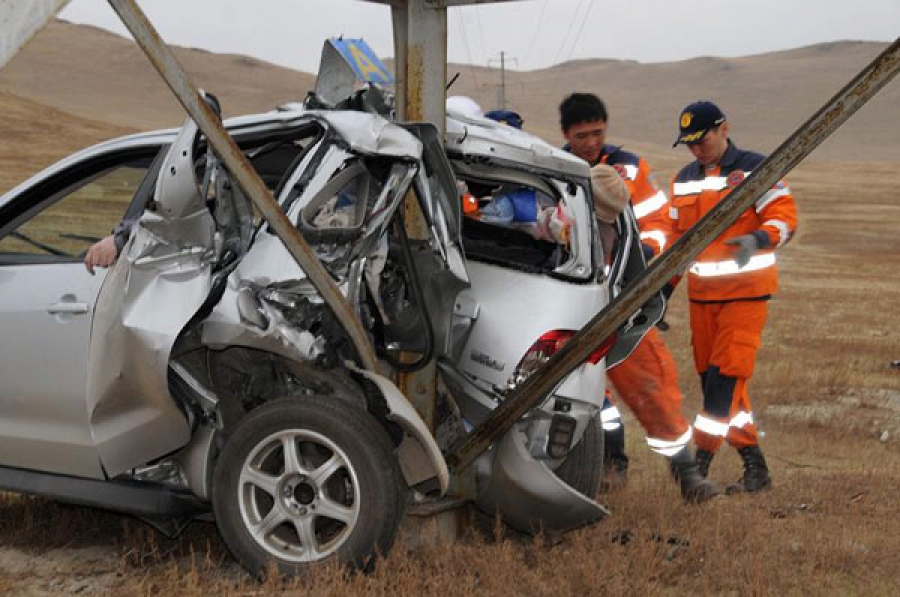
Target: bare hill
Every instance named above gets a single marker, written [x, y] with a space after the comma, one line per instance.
[94, 74]
[98, 75]
[765, 96]
[35, 136]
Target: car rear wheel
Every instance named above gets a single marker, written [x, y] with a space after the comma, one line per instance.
[582, 468]
[307, 480]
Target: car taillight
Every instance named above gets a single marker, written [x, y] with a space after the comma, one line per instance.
[545, 347]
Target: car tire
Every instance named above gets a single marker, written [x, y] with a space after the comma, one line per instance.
[582, 468]
[337, 495]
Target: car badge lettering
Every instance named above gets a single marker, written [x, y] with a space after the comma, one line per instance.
[488, 361]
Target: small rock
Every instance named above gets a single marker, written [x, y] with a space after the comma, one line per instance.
[672, 553]
[884, 436]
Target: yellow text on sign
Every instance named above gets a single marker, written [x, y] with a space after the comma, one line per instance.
[366, 66]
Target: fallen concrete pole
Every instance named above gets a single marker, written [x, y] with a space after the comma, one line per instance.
[243, 173]
[804, 140]
[20, 20]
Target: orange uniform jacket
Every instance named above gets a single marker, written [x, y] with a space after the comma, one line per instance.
[715, 276]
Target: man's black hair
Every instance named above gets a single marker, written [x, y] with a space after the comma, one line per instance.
[581, 107]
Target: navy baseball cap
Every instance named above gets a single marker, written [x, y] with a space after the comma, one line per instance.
[507, 117]
[696, 120]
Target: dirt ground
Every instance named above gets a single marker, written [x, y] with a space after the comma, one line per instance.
[825, 397]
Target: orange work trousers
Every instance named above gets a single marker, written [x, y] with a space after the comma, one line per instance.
[647, 381]
[725, 338]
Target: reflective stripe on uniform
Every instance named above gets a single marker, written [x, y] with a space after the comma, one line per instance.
[657, 237]
[670, 447]
[610, 418]
[648, 206]
[784, 232]
[711, 426]
[710, 183]
[718, 428]
[769, 197]
[730, 267]
[742, 419]
[609, 414]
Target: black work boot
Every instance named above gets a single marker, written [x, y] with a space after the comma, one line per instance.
[704, 458]
[756, 473]
[694, 487]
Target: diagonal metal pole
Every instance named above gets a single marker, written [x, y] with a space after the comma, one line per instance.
[240, 168]
[806, 138]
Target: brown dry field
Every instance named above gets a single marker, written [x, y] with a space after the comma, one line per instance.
[824, 395]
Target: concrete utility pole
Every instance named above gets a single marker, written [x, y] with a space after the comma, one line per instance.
[501, 97]
[20, 21]
[420, 54]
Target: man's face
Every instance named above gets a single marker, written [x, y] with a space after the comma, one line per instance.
[586, 139]
[712, 146]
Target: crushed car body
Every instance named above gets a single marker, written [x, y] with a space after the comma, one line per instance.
[213, 377]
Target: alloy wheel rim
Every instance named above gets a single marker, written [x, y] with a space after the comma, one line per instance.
[298, 495]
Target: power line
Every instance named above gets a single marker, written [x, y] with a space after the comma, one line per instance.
[530, 42]
[462, 31]
[584, 21]
[484, 50]
[566, 37]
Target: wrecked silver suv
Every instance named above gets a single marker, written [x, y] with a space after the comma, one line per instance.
[202, 373]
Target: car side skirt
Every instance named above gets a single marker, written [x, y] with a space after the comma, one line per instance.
[161, 506]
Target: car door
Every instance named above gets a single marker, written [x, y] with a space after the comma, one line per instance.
[47, 301]
[627, 264]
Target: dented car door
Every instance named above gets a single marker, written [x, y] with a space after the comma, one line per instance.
[49, 298]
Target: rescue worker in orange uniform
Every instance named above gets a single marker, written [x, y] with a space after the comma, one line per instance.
[729, 284]
[647, 380]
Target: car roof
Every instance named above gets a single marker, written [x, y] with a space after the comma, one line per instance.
[472, 135]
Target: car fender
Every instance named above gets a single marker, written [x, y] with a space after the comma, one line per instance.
[418, 450]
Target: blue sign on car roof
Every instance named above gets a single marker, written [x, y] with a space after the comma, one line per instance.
[367, 66]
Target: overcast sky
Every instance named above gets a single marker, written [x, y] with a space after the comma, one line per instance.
[533, 33]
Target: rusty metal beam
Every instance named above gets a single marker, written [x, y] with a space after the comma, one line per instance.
[804, 140]
[243, 173]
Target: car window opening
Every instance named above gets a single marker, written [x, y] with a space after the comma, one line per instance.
[515, 225]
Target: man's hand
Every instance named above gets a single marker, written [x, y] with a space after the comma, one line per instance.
[101, 254]
[747, 245]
